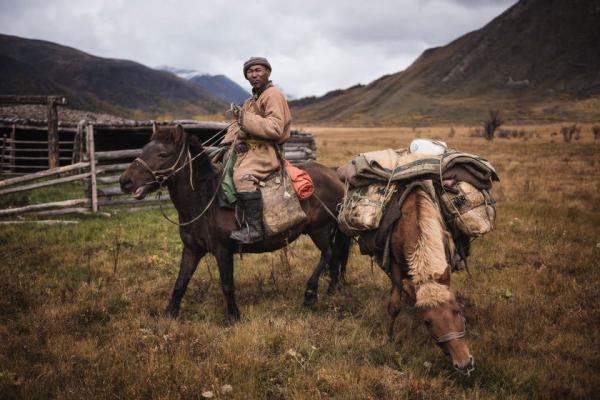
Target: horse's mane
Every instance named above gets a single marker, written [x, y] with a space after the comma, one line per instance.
[427, 261]
[163, 134]
[205, 173]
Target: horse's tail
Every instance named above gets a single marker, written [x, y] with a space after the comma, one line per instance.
[428, 258]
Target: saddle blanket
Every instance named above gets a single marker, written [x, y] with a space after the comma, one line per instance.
[401, 164]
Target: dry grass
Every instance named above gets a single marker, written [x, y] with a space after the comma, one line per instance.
[74, 326]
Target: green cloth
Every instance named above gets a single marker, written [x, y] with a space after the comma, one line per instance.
[227, 186]
[218, 155]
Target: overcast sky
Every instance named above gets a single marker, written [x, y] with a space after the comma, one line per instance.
[314, 46]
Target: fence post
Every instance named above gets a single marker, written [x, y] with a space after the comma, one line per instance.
[13, 137]
[92, 157]
[53, 151]
[2, 156]
[78, 148]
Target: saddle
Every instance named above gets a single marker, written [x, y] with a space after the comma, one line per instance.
[280, 192]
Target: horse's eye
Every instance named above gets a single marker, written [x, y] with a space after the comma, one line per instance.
[163, 155]
[427, 322]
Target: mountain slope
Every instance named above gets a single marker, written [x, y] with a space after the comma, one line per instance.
[223, 87]
[539, 59]
[120, 87]
[219, 85]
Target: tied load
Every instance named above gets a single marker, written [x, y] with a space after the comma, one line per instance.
[459, 183]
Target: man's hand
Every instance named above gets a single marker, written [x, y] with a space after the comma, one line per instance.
[235, 110]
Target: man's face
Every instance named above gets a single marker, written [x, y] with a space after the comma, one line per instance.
[258, 76]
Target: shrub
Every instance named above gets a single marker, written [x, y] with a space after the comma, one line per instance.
[514, 133]
[596, 131]
[493, 122]
[570, 132]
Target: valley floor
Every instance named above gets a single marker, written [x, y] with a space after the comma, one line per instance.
[80, 305]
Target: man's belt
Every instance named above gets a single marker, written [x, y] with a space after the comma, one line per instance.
[250, 144]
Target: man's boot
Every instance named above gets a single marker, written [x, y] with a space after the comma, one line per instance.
[252, 231]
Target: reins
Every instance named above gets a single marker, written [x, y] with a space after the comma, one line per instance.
[162, 175]
[212, 199]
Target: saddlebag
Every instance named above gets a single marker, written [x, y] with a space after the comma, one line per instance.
[281, 207]
[363, 207]
[468, 209]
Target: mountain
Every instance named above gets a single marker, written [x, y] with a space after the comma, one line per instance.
[219, 85]
[119, 87]
[539, 60]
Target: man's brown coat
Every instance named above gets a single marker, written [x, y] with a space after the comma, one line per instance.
[264, 123]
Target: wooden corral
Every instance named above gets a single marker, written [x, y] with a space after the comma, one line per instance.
[24, 142]
[96, 154]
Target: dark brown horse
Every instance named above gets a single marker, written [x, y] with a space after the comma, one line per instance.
[179, 161]
[419, 266]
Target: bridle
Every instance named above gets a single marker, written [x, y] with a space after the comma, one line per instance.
[162, 175]
[452, 335]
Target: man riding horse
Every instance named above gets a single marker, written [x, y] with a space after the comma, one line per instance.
[261, 127]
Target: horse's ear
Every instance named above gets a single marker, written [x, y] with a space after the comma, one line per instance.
[409, 289]
[178, 133]
[154, 130]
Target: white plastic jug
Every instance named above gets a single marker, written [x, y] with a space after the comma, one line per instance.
[427, 146]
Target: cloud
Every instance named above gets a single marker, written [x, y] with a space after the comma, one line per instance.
[314, 46]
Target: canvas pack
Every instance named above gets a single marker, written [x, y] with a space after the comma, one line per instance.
[470, 210]
[281, 207]
[363, 207]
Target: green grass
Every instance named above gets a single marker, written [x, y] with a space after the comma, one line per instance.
[75, 323]
[65, 191]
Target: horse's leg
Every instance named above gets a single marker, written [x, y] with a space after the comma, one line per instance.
[341, 252]
[394, 302]
[225, 262]
[189, 261]
[312, 286]
[340, 247]
[323, 240]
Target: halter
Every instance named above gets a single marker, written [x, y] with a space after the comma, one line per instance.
[162, 175]
[452, 335]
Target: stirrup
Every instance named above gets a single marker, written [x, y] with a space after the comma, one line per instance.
[246, 235]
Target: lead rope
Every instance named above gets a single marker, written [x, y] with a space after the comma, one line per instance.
[160, 179]
[212, 199]
[325, 206]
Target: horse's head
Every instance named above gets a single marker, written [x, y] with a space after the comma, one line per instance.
[437, 306]
[160, 157]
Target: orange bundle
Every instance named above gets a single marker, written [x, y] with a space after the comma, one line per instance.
[302, 182]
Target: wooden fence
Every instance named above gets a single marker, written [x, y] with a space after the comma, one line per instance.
[100, 178]
[100, 173]
[52, 143]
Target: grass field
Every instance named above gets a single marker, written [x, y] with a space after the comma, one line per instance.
[80, 305]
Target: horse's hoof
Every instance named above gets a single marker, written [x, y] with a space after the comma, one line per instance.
[387, 340]
[310, 298]
[231, 320]
[170, 313]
